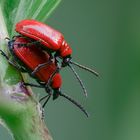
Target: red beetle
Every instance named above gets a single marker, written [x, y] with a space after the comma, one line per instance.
[38, 64]
[49, 37]
[52, 41]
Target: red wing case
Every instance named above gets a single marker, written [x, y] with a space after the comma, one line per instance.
[49, 37]
[40, 31]
[32, 56]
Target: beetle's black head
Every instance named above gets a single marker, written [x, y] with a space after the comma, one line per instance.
[66, 61]
[56, 93]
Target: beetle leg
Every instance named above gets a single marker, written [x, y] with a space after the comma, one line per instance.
[51, 77]
[4, 54]
[7, 58]
[43, 97]
[49, 91]
[46, 101]
[53, 74]
[33, 85]
[40, 66]
[12, 62]
[43, 114]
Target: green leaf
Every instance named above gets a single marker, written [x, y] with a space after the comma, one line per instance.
[16, 10]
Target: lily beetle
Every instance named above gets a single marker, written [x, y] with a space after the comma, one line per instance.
[42, 51]
[38, 64]
[51, 41]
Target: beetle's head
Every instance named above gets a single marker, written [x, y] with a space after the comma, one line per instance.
[56, 93]
[66, 61]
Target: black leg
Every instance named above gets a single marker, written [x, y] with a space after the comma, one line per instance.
[4, 54]
[49, 91]
[12, 62]
[51, 77]
[46, 101]
[43, 97]
[33, 85]
[39, 86]
[40, 66]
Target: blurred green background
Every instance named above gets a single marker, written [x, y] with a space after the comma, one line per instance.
[104, 35]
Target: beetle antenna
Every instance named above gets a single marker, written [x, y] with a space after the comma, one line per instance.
[79, 79]
[75, 103]
[85, 68]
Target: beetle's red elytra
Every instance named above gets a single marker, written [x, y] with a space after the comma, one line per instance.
[48, 36]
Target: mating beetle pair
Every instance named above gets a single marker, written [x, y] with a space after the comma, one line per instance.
[37, 50]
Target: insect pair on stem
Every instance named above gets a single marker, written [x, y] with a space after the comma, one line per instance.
[38, 50]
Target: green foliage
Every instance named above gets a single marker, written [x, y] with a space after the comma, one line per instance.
[16, 10]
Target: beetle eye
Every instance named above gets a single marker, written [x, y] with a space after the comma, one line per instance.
[66, 61]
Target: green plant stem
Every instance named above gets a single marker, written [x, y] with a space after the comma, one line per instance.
[20, 112]
[23, 119]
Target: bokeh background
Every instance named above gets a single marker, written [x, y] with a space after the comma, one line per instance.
[104, 35]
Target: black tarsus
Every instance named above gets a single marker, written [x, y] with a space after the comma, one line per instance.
[33, 85]
[43, 97]
[4, 54]
[49, 95]
[51, 77]
[11, 62]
